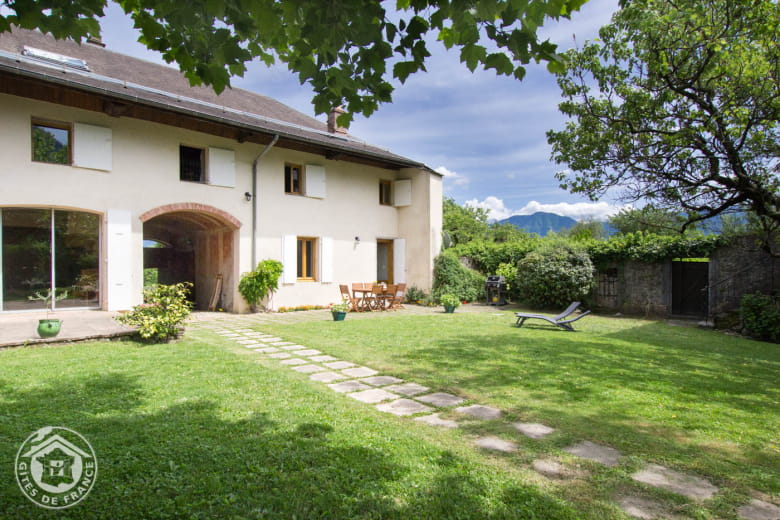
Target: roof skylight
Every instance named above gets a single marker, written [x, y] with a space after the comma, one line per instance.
[53, 57]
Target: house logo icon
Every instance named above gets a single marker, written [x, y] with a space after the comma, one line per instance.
[56, 467]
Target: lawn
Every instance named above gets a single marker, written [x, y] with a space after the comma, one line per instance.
[204, 428]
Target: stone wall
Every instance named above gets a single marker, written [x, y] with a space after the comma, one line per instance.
[634, 288]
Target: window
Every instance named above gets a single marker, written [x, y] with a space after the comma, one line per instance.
[307, 248]
[386, 193]
[293, 179]
[191, 163]
[51, 142]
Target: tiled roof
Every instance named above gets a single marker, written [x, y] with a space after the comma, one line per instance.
[138, 81]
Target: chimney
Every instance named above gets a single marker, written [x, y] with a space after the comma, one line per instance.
[94, 40]
[333, 126]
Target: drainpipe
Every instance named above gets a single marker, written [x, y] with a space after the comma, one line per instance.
[254, 196]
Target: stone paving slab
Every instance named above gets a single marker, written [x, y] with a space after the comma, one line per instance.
[407, 389]
[440, 399]
[308, 369]
[549, 468]
[326, 377]
[595, 452]
[292, 347]
[533, 430]
[759, 510]
[280, 343]
[642, 508]
[403, 407]
[372, 396]
[480, 412]
[307, 352]
[435, 420]
[254, 344]
[267, 350]
[271, 339]
[381, 380]
[359, 372]
[692, 487]
[320, 359]
[280, 355]
[348, 386]
[338, 365]
[247, 341]
[294, 361]
[496, 444]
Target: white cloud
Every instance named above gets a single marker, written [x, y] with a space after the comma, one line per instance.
[452, 177]
[497, 210]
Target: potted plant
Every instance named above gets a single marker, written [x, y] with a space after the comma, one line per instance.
[450, 302]
[48, 328]
[339, 310]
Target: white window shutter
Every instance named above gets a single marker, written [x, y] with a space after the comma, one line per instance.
[402, 193]
[399, 260]
[315, 181]
[92, 147]
[326, 260]
[222, 167]
[119, 264]
[289, 259]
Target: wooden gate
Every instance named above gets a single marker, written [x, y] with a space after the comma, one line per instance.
[689, 287]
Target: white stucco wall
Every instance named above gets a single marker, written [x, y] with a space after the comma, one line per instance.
[145, 176]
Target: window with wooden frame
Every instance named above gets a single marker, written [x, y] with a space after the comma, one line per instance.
[52, 142]
[307, 259]
[192, 164]
[386, 193]
[293, 179]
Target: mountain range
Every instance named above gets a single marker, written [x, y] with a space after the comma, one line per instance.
[540, 222]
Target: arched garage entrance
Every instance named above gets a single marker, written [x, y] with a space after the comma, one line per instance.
[191, 243]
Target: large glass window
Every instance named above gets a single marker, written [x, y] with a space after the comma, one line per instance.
[34, 241]
[51, 142]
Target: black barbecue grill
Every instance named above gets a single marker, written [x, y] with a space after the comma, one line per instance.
[495, 288]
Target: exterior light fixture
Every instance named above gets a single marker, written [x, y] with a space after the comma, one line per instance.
[248, 196]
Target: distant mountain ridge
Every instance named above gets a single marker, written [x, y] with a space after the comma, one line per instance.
[540, 222]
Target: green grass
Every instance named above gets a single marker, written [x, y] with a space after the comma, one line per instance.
[204, 428]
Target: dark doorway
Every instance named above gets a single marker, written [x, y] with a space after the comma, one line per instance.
[689, 287]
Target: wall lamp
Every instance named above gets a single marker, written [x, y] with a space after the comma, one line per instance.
[248, 196]
[357, 240]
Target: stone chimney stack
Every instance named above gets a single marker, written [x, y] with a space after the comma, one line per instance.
[333, 126]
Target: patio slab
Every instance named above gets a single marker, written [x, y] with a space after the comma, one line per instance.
[308, 352]
[642, 508]
[688, 485]
[403, 407]
[267, 350]
[292, 347]
[372, 396]
[348, 386]
[294, 361]
[20, 329]
[435, 420]
[359, 372]
[759, 510]
[326, 377]
[408, 389]
[320, 359]
[549, 468]
[338, 365]
[440, 399]
[595, 452]
[496, 444]
[479, 411]
[533, 430]
[280, 355]
[380, 380]
[308, 369]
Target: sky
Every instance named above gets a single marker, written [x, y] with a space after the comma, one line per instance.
[484, 133]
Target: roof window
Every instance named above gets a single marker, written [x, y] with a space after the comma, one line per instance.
[53, 57]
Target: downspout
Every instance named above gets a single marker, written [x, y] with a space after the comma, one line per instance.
[254, 196]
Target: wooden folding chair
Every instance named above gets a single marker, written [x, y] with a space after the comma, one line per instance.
[354, 303]
[398, 296]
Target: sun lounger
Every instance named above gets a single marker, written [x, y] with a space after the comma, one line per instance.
[559, 320]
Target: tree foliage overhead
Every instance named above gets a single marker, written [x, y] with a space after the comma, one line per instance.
[348, 50]
[677, 104]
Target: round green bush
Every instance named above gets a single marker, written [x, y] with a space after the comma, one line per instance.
[761, 316]
[555, 275]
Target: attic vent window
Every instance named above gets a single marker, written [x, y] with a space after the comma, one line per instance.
[53, 57]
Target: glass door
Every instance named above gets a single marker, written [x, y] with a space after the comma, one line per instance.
[26, 253]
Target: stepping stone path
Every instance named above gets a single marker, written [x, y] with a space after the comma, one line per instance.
[670, 480]
[602, 454]
[331, 371]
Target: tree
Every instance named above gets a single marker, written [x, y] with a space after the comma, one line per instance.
[685, 110]
[463, 224]
[587, 230]
[341, 48]
[654, 220]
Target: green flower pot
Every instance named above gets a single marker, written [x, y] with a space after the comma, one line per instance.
[338, 315]
[449, 309]
[49, 328]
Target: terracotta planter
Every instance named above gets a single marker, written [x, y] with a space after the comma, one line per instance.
[48, 328]
[338, 315]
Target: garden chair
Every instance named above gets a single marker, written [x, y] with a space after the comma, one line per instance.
[398, 297]
[354, 303]
[558, 320]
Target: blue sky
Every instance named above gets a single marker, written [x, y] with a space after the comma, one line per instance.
[485, 133]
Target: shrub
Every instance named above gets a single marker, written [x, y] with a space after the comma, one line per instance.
[555, 275]
[255, 285]
[415, 295]
[160, 317]
[761, 316]
[509, 272]
[449, 300]
[450, 276]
